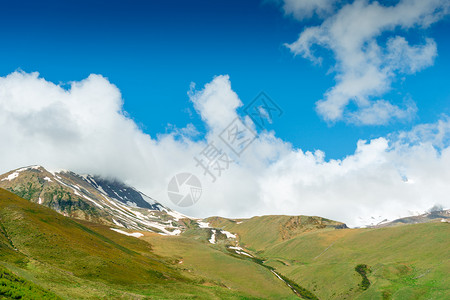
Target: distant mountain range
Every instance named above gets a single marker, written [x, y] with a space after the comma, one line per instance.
[100, 200]
[437, 215]
[109, 201]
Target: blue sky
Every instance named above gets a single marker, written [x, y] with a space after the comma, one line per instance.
[153, 50]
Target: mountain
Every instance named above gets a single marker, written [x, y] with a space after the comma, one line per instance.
[93, 199]
[440, 215]
[95, 238]
[406, 261]
[125, 194]
[41, 250]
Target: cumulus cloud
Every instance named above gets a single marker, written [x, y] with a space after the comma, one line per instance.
[216, 103]
[84, 128]
[366, 67]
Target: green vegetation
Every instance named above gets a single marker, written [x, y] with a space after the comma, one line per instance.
[78, 259]
[27, 191]
[363, 270]
[407, 262]
[259, 233]
[316, 257]
[14, 287]
[194, 255]
[296, 288]
[301, 291]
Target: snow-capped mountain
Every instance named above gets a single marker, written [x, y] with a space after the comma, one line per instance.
[441, 215]
[92, 198]
[125, 194]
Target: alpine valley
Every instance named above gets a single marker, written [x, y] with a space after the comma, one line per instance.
[70, 236]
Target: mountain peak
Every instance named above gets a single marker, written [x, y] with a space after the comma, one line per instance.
[91, 198]
[118, 190]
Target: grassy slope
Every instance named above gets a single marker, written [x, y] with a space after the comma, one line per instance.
[78, 259]
[407, 262]
[14, 287]
[258, 233]
[214, 263]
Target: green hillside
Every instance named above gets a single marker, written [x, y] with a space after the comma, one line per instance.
[213, 262]
[47, 252]
[404, 262]
[258, 233]
[77, 259]
[15, 287]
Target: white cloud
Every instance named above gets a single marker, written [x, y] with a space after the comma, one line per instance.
[302, 9]
[365, 68]
[380, 112]
[216, 103]
[410, 59]
[84, 129]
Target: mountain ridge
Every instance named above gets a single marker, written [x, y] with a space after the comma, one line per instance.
[89, 198]
[86, 195]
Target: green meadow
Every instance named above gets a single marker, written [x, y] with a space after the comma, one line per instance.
[76, 259]
[45, 255]
[404, 262]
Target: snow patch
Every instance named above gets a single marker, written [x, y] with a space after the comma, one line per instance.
[101, 189]
[176, 232]
[86, 197]
[131, 204]
[48, 179]
[278, 276]
[147, 198]
[134, 234]
[228, 234]
[203, 224]
[11, 176]
[239, 250]
[235, 248]
[117, 223]
[28, 168]
[212, 240]
[243, 253]
[176, 215]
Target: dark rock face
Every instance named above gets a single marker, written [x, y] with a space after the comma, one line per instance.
[341, 226]
[123, 193]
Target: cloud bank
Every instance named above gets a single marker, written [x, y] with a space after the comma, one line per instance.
[84, 128]
[364, 37]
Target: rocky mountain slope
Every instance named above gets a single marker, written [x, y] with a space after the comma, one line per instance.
[93, 199]
[104, 201]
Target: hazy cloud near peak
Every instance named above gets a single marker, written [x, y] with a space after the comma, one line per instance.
[84, 129]
[365, 68]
